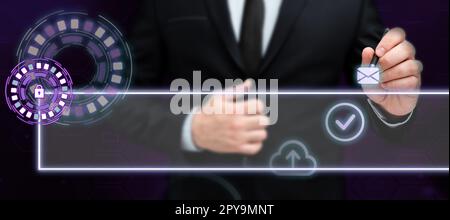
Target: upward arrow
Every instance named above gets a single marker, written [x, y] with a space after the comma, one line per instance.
[293, 156]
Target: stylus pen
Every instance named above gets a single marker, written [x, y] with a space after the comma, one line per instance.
[375, 58]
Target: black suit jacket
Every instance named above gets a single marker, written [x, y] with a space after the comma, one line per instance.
[316, 44]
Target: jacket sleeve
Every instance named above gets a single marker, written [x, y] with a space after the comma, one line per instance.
[147, 120]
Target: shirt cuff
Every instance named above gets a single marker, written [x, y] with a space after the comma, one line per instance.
[390, 121]
[187, 143]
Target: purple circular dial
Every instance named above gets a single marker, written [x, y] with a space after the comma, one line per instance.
[101, 43]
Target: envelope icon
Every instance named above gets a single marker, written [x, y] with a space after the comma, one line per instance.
[369, 75]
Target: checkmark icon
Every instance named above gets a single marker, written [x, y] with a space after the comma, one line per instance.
[344, 126]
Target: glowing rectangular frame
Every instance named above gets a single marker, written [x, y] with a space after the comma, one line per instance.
[243, 170]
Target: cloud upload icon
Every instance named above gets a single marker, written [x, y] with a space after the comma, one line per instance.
[293, 155]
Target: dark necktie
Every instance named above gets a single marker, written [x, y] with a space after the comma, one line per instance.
[251, 36]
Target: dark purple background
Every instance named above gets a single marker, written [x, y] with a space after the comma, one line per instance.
[426, 23]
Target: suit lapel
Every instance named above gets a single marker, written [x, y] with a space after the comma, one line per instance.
[219, 14]
[289, 12]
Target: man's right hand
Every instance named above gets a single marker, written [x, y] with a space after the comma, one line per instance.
[231, 133]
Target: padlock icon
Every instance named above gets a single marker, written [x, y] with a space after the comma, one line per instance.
[39, 92]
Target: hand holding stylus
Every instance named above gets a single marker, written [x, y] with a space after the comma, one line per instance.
[401, 72]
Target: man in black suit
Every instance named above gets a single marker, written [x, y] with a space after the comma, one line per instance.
[302, 43]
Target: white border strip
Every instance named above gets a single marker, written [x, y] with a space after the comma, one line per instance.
[241, 170]
[346, 169]
[158, 92]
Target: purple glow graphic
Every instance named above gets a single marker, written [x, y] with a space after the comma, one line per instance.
[39, 91]
[100, 43]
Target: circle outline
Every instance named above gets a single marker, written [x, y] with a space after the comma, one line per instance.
[125, 59]
[45, 70]
[352, 138]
